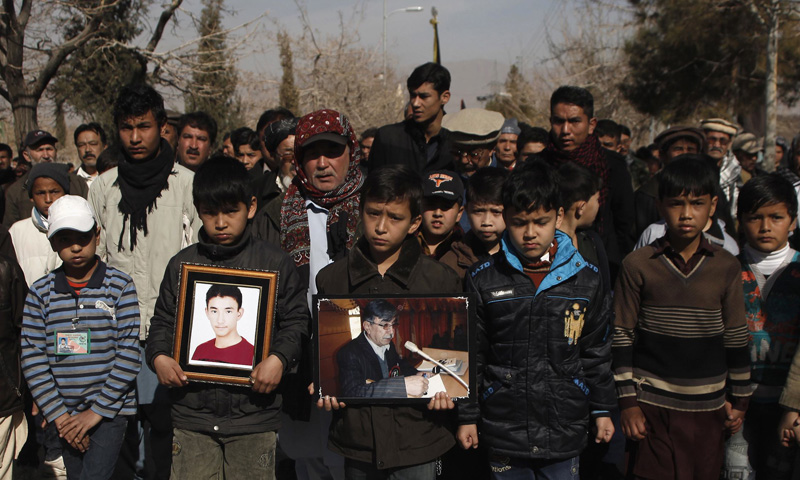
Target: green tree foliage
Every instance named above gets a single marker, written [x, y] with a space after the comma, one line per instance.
[288, 96]
[92, 76]
[691, 57]
[213, 85]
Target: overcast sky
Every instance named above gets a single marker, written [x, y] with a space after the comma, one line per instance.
[500, 31]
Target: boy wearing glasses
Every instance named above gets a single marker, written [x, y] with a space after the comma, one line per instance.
[370, 366]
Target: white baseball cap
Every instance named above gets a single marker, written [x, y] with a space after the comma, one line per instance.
[70, 212]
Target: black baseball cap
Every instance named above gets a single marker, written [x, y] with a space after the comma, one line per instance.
[444, 184]
[35, 137]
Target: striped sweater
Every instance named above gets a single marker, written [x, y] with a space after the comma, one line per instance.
[102, 380]
[680, 340]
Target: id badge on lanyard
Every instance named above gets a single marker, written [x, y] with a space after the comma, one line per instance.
[73, 341]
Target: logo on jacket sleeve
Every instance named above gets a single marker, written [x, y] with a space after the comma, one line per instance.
[502, 293]
[573, 323]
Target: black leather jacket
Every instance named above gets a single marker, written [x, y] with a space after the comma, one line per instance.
[544, 356]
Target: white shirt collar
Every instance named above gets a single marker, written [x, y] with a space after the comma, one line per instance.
[379, 351]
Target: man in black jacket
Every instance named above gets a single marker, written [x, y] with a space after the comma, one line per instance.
[572, 138]
[369, 365]
[419, 142]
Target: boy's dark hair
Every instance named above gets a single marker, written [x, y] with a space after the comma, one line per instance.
[577, 183]
[90, 127]
[224, 290]
[625, 130]
[6, 148]
[532, 135]
[769, 189]
[108, 159]
[575, 96]
[531, 186]
[394, 183]
[244, 136]
[608, 128]
[226, 136]
[369, 133]
[486, 186]
[136, 101]
[380, 309]
[429, 72]
[221, 182]
[272, 115]
[201, 121]
[687, 174]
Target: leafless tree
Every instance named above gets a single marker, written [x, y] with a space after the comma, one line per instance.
[32, 48]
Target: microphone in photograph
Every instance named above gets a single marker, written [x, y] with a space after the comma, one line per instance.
[412, 347]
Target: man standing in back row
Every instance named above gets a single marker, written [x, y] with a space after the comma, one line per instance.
[419, 142]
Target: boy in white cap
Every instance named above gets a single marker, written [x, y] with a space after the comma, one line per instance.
[80, 344]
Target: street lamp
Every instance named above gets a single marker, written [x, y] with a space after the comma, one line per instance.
[385, 16]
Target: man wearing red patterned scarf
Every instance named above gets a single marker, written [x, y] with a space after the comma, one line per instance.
[572, 139]
[315, 223]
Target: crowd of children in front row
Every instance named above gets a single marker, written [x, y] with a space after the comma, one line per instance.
[694, 349]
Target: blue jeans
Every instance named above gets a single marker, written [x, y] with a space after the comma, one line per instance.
[105, 440]
[505, 468]
[354, 470]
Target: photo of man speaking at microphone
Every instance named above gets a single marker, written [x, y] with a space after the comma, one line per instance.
[367, 348]
[369, 366]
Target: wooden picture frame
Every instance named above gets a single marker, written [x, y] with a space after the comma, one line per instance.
[207, 321]
[346, 363]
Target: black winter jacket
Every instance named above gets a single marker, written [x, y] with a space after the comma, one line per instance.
[232, 410]
[544, 356]
[404, 144]
[13, 290]
[388, 436]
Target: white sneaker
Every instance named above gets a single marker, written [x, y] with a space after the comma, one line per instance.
[54, 469]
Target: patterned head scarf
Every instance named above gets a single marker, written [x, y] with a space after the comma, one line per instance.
[342, 202]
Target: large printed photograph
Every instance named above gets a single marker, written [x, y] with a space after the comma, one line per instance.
[396, 349]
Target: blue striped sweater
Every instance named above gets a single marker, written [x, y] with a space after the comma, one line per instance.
[102, 380]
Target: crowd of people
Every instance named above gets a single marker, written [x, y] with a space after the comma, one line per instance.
[637, 314]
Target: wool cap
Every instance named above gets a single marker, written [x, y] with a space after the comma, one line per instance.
[57, 171]
[670, 135]
[473, 126]
[747, 142]
[719, 125]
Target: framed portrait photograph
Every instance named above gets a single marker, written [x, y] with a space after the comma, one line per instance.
[395, 349]
[223, 324]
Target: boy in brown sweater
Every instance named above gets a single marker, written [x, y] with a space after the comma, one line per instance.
[680, 354]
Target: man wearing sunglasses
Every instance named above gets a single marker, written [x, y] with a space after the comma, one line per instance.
[369, 366]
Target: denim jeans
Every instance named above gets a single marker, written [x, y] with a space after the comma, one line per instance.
[754, 452]
[354, 470]
[505, 468]
[198, 455]
[98, 462]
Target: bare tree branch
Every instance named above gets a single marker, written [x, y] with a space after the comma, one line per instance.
[166, 15]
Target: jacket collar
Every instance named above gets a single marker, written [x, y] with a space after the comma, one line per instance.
[61, 284]
[215, 251]
[566, 263]
[361, 267]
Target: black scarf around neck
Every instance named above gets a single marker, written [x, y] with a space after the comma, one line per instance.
[141, 185]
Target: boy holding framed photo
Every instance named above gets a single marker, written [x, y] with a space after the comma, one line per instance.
[225, 428]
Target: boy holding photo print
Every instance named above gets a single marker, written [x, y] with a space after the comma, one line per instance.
[225, 428]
